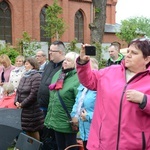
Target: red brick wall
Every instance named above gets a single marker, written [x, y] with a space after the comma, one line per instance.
[110, 37]
[111, 11]
[26, 17]
[68, 14]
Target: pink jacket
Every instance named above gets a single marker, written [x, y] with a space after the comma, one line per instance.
[117, 123]
[7, 72]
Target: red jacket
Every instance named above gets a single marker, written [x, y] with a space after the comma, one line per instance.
[117, 123]
[8, 101]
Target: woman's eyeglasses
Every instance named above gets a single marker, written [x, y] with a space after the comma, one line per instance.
[141, 39]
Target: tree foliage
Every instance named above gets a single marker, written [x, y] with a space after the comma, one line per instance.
[11, 52]
[55, 26]
[27, 46]
[133, 28]
[72, 46]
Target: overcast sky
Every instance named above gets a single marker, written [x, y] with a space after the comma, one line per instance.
[130, 8]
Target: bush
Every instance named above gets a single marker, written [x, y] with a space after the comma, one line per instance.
[11, 52]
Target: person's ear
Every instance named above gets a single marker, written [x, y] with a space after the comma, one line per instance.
[147, 60]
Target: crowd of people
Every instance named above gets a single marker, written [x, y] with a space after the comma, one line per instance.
[110, 106]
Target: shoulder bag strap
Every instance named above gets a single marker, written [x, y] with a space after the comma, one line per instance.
[63, 105]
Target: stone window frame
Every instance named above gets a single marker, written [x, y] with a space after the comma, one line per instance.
[5, 22]
[43, 23]
[79, 26]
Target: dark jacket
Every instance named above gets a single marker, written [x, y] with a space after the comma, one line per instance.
[43, 92]
[32, 117]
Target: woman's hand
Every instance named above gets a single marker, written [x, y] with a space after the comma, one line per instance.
[75, 120]
[18, 104]
[83, 115]
[83, 58]
[134, 96]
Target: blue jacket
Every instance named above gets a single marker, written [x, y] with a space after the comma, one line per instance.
[88, 105]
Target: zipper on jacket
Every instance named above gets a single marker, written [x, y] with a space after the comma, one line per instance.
[143, 141]
[119, 121]
[120, 110]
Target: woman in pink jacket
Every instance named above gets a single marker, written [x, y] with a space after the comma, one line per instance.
[5, 68]
[121, 119]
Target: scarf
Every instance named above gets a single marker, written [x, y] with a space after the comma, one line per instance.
[80, 102]
[60, 81]
[29, 73]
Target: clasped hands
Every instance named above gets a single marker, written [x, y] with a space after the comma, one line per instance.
[18, 104]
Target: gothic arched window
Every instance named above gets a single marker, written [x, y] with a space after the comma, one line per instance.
[79, 26]
[43, 23]
[5, 22]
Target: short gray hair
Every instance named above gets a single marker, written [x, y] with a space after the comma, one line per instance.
[43, 53]
[8, 88]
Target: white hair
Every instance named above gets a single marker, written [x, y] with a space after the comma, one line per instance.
[72, 55]
[8, 88]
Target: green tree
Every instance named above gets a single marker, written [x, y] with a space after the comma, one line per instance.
[11, 52]
[72, 46]
[27, 46]
[133, 28]
[55, 26]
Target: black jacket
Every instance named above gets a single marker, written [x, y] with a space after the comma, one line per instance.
[43, 92]
[32, 118]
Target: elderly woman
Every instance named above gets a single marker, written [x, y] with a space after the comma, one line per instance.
[8, 96]
[83, 108]
[121, 117]
[65, 82]
[32, 118]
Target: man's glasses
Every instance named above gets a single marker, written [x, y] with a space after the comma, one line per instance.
[54, 50]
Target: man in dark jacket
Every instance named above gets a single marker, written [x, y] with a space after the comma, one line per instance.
[115, 56]
[57, 55]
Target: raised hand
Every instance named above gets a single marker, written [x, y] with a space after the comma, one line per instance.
[83, 58]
